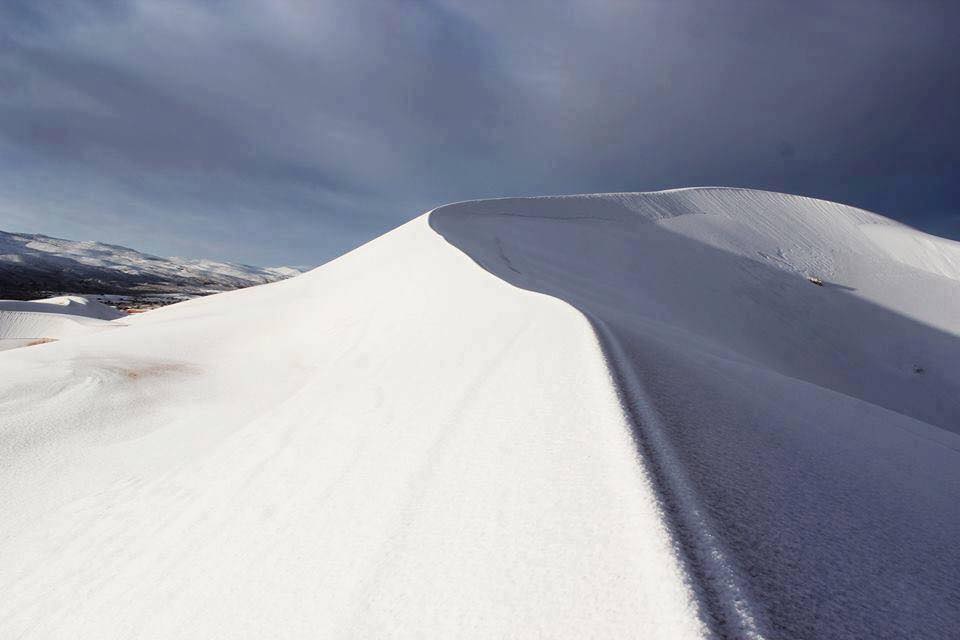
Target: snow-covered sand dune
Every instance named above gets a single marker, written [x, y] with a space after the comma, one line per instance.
[683, 438]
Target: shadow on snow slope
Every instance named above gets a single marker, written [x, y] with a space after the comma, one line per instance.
[786, 431]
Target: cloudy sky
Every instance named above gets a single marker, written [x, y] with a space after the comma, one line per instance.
[289, 131]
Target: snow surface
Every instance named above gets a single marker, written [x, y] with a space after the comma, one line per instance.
[621, 415]
[22, 322]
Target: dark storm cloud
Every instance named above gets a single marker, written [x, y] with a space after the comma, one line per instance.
[288, 131]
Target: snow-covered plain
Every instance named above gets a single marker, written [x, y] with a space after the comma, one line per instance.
[624, 415]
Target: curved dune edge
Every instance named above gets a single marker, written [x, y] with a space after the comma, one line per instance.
[760, 405]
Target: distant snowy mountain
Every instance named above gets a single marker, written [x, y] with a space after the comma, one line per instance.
[30, 264]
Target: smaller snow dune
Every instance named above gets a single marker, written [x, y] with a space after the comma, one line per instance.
[36, 321]
[916, 249]
[67, 305]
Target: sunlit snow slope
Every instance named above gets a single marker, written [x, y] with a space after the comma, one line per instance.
[683, 438]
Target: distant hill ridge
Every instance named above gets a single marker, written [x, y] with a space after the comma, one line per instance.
[33, 263]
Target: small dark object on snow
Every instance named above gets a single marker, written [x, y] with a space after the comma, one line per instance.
[918, 369]
[814, 280]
